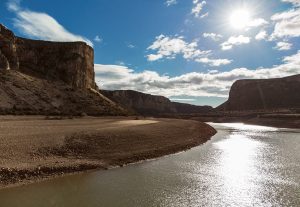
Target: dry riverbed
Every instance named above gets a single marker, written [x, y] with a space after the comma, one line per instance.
[33, 148]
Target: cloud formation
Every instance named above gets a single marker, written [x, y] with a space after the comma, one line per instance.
[287, 23]
[171, 2]
[169, 47]
[262, 35]
[41, 25]
[98, 39]
[235, 40]
[214, 62]
[294, 2]
[213, 36]
[258, 22]
[217, 84]
[283, 46]
[198, 6]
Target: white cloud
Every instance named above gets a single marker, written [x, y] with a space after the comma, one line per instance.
[213, 36]
[169, 47]
[258, 22]
[214, 62]
[283, 46]
[131, 46]
[204, 15]
[294, 2]
[98, 39]
[113, 77]
[285, 15]
[287, 24]
[262, 35]
[154, 57]
[235, 40]
[213, 71]
[198, 6]
[41, 25]
[171, 2]
[13, 5]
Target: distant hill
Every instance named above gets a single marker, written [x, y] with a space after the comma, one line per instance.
[146, 104]
[264, 94]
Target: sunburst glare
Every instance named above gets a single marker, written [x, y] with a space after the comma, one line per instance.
[240, 18]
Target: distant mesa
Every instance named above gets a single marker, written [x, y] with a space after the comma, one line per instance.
[264, 94]
[146, 104]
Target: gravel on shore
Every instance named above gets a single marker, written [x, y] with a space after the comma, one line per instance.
[33, 148]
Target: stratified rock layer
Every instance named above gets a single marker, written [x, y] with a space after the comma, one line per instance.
[264, 94]
[41, 77]
[71, 62]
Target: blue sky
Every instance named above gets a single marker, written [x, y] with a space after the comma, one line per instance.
[188, 50]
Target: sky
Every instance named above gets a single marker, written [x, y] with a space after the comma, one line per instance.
[190, 51]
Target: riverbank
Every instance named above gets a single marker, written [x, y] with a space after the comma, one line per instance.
[34, 148]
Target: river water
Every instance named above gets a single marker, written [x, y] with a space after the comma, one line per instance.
[242, 165]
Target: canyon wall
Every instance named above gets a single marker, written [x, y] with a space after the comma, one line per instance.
[146, 104]
[140, 103]
[49, 78]
[70, 62]
[264, 94]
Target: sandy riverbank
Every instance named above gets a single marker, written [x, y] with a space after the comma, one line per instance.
[33, 149]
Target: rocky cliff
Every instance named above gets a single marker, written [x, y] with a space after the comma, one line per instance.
[72, 62]
[264, 94]
[41, 77]
[146, 104]
[140, 103]
[8, 49]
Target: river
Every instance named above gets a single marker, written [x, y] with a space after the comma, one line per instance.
[242, 165]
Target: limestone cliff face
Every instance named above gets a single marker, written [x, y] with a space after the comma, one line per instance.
[264, 94]
[147, 104]
[71, 62]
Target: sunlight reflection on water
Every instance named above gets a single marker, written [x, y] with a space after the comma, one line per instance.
[238, 167]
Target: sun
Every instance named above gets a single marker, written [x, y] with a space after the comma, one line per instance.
[240, 18]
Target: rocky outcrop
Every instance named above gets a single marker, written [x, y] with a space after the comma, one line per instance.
[146, 104]
[264, 94]
[72, 62]
[51, 78]
[8, 50]
[23, 94]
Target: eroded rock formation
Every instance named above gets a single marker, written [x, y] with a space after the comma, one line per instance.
[8, 50]
[141, 103]
[146, 104]
[264, 94]
[41, 77]
[71, 62]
